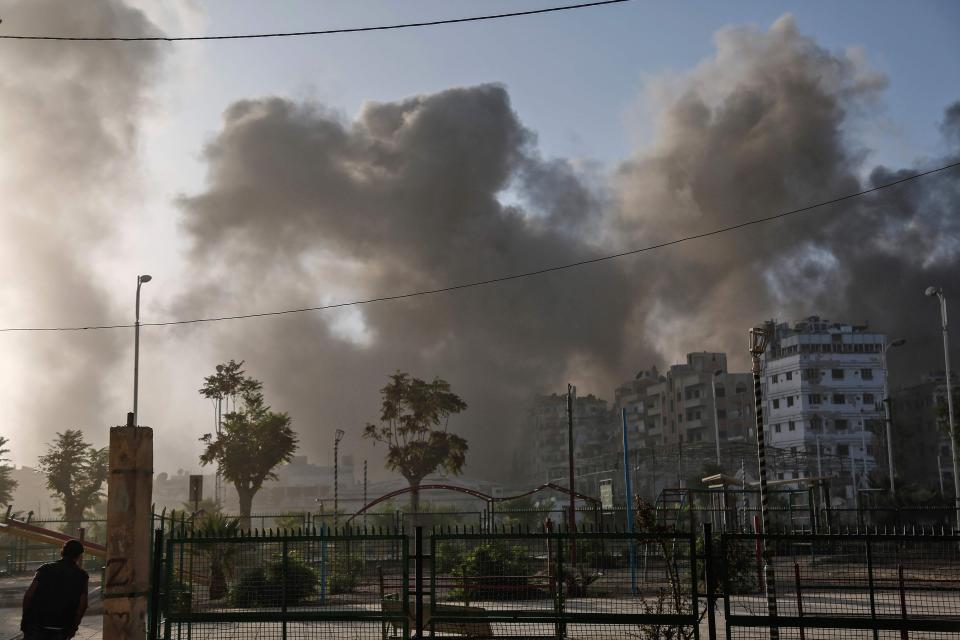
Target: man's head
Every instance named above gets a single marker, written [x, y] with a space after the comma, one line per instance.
[72, 550]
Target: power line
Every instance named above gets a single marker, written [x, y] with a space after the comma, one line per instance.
[323, 32]
[515, 276]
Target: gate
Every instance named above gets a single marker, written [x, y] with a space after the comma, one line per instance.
[262, 587]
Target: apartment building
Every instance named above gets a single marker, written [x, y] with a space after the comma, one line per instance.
[823, 386]
[921, 447]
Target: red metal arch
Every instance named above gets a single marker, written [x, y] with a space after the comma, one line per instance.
[470, 492]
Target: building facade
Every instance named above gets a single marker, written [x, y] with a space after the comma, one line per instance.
[823, 385]
[921, 446]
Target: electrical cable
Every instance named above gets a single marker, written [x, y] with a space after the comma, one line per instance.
[507, 278]
[323, 32]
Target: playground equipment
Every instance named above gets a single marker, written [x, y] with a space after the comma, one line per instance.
[20, 529]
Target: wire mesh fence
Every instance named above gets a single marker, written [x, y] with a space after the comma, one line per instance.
[844, 585]
[555, 584]
[283, 586]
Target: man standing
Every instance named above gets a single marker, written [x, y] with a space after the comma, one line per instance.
[57, 598]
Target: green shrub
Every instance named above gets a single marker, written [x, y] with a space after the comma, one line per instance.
[250, 587]
[345, 571]
[497, 571]
[300, 582]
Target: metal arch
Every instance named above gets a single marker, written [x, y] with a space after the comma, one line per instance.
[399, 492]
[549, 485]
[470, 492]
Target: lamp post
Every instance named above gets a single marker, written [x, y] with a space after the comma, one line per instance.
[938, 292]
[759, 338]
[337, 437]
[136, 348]
[888, 419]
[716, 416]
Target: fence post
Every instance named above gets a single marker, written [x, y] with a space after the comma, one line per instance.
[904, 635]
[157, 568]
[870, 586]
[796, 582]
[283, 588]
[418, 578]
[558, 604]
[708, 579]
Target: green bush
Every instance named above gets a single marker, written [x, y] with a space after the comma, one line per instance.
[250, 587]
[345, 571]
[265, 586]
[300, 582]
[497, 571]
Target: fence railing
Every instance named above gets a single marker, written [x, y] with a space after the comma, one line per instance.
[556, 584]
[826, 584]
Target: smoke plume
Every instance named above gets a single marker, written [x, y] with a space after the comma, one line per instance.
[304, 207]
[69, 118]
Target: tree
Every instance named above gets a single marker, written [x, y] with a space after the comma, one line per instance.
[410, 412]
[225, 386]
[75, 474]
[7, 484]
[251, 442]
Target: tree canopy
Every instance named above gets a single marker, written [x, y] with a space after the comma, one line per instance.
[414, 421]
[76, 473]
[7, 484]
[251, 442]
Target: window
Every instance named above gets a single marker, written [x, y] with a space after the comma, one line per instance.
[791, 426]
[840, 424]
[789, 375]
[868, 398]
[866, 374]
[774, 380]
[741, 388]
[814, 398]
[836, 374]
[721, 414]
[789, 401]
[836, 337]
[776, 428]
[838, 398]
[811, 374]
[720, 392]
[776, 403]
[843, 450]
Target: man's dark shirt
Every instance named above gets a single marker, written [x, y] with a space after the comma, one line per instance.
[60, 585]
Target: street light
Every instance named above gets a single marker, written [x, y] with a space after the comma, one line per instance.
[337, 437]
[136, 347]
[899, 342]
[938, 292]
[716, 418]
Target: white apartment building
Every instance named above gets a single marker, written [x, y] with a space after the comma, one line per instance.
[823, 383]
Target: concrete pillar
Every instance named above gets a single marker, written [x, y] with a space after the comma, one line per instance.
[129, 493]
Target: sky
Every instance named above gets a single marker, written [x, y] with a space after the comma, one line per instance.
[218, 168]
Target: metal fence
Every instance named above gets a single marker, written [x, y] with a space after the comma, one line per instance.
[553, 584]
[833, 586]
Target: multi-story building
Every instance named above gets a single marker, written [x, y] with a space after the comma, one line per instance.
[595, 442]
[921, 446]
[696, 402]
[824, 385]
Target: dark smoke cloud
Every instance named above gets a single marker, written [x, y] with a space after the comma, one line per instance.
[303, 207]
[69, 117]
[405, 198]
[762, 128]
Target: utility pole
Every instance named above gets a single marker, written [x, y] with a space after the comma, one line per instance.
[938, 292]
[364, 491]
[759, 338]
[337, 437]
[888, 411]
[571, 392]
[136, 347]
